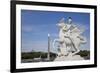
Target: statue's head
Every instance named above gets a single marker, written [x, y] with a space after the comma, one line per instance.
[69, 20]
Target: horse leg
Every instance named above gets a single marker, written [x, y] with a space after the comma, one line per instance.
[69, 50]
[82, 39]
[68, 43]
[62, 48]
[60, 52]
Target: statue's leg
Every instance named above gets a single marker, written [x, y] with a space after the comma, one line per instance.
[77, 50]
[75, 43]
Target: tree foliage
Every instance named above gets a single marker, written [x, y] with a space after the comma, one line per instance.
[32, 55]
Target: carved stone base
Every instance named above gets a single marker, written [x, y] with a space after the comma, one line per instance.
[69, 57]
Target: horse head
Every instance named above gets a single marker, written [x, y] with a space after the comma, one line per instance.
[61, 23]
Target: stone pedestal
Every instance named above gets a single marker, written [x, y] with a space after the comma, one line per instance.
[67, 58]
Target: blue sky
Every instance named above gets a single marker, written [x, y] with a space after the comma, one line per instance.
[37, 24]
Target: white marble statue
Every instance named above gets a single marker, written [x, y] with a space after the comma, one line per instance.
[69, 37]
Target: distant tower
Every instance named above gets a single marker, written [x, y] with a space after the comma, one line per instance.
[48, 46]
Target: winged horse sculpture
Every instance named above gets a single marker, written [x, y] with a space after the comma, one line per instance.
[70, 36]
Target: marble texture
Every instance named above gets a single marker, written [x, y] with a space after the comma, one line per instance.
[68, 58]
